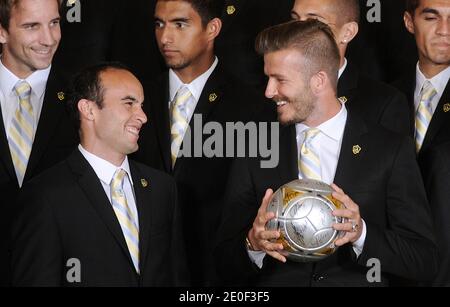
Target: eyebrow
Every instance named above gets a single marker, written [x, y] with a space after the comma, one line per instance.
[127, 98]
[428, 10]
[178, 19]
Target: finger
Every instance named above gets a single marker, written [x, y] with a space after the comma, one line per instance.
[345, 213]
[268, 246]
[277, 256]
[263, 218]
[342, 241]
[337, 188]
[266, 199]
[268, 235]
[348, 227]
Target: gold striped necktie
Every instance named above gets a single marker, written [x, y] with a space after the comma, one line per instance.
[127, 220]
[424, 113]
[21, 130]
[179, 120]
[309, 161]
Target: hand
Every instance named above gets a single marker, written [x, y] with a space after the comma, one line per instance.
[259, 237]
[353, 226]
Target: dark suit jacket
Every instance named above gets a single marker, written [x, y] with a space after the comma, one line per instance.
[200, 180]
[55, 139]
[235, 45]
[439, 128]
[436, 173]
[384, 180]
[374, 101]
[65, 214]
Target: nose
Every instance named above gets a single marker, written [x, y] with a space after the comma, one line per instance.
[140, 115]
[271, 89]
[165, 36]
[444, 27]
[50, 35]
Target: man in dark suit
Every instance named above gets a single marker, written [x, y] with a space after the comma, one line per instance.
[113, 218]
[373, 100]
[29, 34]
[242, 21]
[386, 206]
[427, 86]
[195, 93]
[435, 168]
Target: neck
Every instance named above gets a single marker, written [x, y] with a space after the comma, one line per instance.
[323, 112]
[104, 153]
[192, 72]
[21, 74]
[430, 69]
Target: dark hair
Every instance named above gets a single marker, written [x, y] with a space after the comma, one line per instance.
[6, 7]
[87, 84]
[207, 9]
[411, 6]
[312, 38]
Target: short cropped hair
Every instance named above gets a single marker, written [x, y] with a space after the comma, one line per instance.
[312, 38]
[87, 84]
[207, 9]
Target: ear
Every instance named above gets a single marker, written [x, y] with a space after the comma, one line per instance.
[213, 28]
[85, 109]
[348, 32]
[3, 35]
[318, 82]
[409, 22]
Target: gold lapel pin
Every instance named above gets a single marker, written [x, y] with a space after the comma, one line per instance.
[212, 97]
[343, 99]
[447, 107]
[231, 9]
[61, 96]
[356, 149]
[144, 183]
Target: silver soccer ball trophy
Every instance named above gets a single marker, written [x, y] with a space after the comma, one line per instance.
[303, 216]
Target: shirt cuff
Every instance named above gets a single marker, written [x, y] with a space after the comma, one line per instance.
[358, 245]
[257, 257]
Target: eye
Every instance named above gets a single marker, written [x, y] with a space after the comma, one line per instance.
[54, 23]
[31, 26]
[180, 25]
[158, 24]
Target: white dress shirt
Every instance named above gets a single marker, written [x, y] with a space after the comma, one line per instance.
[328, 145]
[342, 69]
[195, 87]
[439, 83]
[105, 172]
[9, 100]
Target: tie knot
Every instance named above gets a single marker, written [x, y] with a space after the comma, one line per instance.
[311, 133]
[428, 92]
[23, 90]
[182, 95]
[118, 177]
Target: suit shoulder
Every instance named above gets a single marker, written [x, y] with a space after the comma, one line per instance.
[380, 89]
[152, 173]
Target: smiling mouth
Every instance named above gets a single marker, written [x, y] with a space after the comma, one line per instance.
[133, 130]
[281, 103]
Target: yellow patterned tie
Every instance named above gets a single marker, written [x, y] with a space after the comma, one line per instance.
[127, 220]
[424, 113]
[309, 162]
[21, 130]
[180, 121]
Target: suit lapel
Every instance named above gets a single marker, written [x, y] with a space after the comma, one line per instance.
[162, 120]
[348, 81]
[143, 193]
[349, 161]
[211, 97]
[94, 192]
[288, 169]
[4, 150]
[51, 114]
[441, 116]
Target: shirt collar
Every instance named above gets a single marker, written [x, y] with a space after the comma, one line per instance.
[105, 171]
[37, 80]
[439, 81]
[333, 128]
[195, 87]
[342, 69]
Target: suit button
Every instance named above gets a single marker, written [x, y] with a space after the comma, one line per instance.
[318, 278]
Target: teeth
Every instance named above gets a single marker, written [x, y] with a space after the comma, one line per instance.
[281, 103]
[133, 130]
[42, 51]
